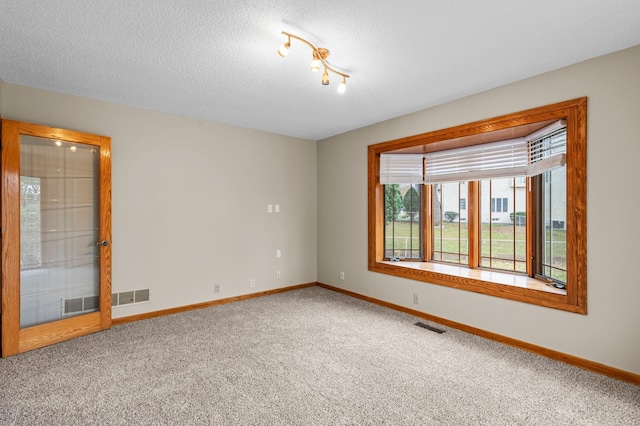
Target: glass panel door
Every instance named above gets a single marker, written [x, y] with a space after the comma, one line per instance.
[59, 230]
[56, 234]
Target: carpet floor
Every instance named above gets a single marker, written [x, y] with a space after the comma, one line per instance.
[304, 357]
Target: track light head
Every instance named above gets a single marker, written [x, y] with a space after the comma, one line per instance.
[284, 49]
[319, 55]
[325, 77]
[315, 63]
[343, 85]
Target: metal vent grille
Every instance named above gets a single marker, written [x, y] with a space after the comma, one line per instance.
[80, 304]
[91, 303]
[142, 295]
[125, 298]
[73, 305]
[428, 327]
[129, 297]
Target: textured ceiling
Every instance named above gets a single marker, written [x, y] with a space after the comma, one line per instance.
[216, 59]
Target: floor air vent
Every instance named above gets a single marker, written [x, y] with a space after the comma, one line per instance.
[428, 327]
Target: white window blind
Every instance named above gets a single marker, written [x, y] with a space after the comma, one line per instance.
[531, 155]
[547, 148]
[490, 160]
[401, 168]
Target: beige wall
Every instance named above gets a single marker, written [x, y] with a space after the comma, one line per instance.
[190, 199]
[609, 333]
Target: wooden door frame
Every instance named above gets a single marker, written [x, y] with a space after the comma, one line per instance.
[15, 340]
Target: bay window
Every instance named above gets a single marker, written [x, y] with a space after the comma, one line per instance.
[496, 207]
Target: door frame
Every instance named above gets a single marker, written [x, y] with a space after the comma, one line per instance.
[14, 339]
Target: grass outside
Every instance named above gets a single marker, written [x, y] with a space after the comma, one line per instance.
[503, 246]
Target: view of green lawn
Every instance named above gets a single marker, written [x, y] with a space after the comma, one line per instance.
[499, 242]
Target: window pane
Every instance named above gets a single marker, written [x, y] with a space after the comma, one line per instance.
[450, 228]
[30, 222]
[554, 235]
[504, 237]
[402, 221]
[59, 262]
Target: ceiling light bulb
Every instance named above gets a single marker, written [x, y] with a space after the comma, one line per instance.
[342, 86]
[315, 65]
[58, 143]
[325, 78]
[284, 49]
[73, 148]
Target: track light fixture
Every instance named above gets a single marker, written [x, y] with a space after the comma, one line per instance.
[318, 56]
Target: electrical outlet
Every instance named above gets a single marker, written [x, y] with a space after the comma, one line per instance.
[342, 275]
[278, 274]
[216, 288]
[416, 299]
[269, 208]
[278, 253]
[277, 206]
[252, 283]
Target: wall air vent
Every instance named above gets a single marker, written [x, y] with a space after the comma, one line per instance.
[125, 297]
[141, 296]
[73, 305]
[80, 304]
[129, 297]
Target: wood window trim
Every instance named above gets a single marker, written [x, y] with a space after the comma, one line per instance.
[493, 283]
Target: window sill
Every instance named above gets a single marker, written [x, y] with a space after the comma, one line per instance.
[483, 275]
[493, 283]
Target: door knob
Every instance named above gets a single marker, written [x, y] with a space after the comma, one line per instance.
[102, 243]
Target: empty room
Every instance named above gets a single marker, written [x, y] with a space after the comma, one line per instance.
[279, 212]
